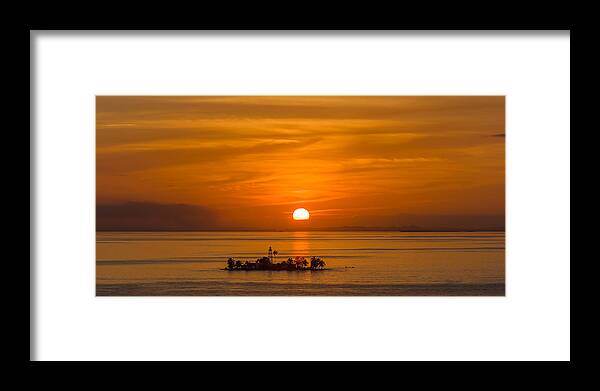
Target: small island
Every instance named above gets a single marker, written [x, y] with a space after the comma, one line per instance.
[269, 263]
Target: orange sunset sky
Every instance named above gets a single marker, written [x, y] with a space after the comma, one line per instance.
[217, 162]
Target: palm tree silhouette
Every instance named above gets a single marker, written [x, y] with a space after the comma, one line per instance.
[316, 263]
[313, 262]
[230, 263]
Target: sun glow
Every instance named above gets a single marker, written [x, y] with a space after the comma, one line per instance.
[301, 214]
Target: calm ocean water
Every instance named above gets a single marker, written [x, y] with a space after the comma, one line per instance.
[361, 263]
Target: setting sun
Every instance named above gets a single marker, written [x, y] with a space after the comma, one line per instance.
[301, 214]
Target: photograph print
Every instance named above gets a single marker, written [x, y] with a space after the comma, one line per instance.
[300, 196]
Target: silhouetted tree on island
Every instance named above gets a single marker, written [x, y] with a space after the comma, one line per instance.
[230, 263]
[290, 262]
[317, 263]
[301, 262]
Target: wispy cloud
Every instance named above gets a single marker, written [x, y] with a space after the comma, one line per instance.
[251, 159]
